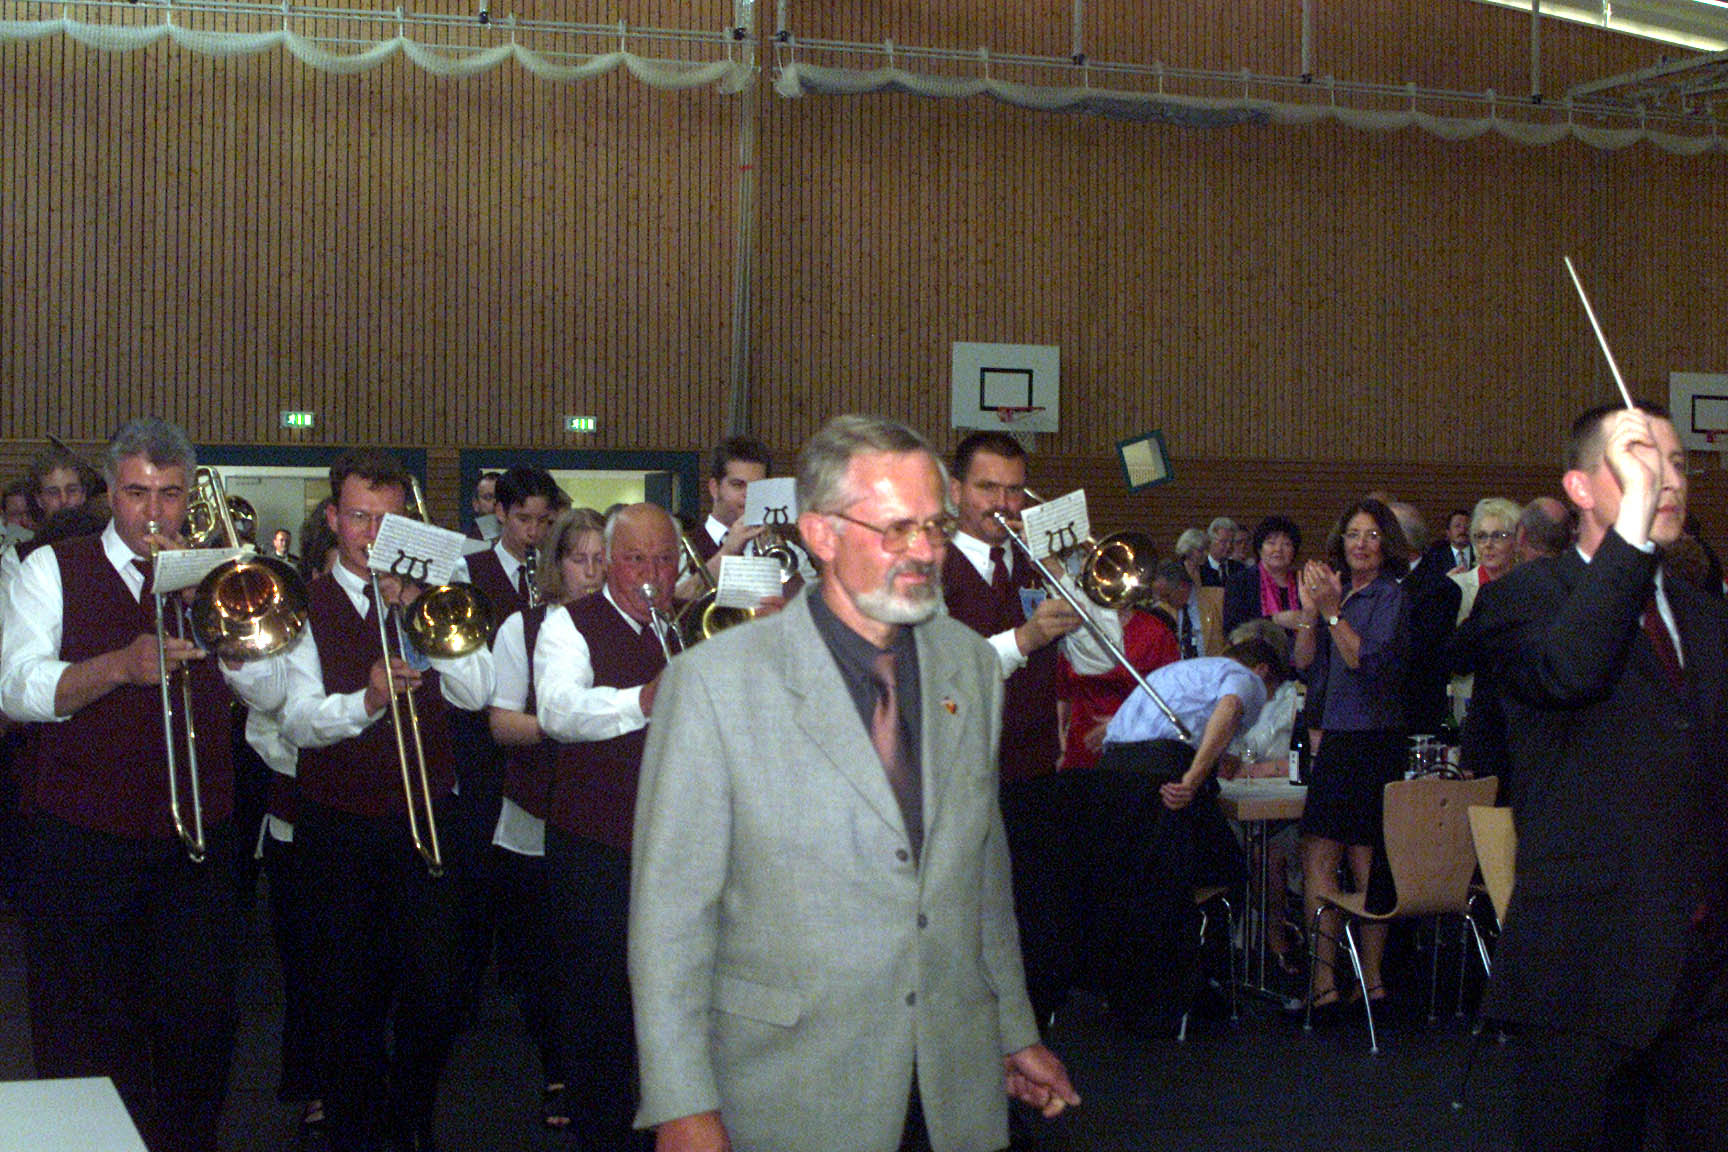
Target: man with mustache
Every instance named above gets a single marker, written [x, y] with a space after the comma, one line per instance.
[822, 943]
[1615, 953]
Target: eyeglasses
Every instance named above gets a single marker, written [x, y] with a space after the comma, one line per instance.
[1356, 535]
[897, 536]
[1499, 537]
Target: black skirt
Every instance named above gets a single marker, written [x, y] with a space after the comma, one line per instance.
[1347, 784]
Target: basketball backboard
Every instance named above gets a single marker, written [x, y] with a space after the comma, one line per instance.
[1015, 387]
[1698, 401]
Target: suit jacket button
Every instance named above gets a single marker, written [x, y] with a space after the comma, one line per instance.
[911, 999]
[902, 855]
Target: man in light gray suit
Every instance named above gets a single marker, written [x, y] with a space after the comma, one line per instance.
[822, 944]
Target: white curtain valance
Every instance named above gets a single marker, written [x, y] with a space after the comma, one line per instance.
[1554, 123]
[726, 76]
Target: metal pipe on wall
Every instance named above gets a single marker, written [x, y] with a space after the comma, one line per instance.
[744, 239]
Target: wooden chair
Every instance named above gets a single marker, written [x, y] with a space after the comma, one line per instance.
[1432, 859]
[1496, 841]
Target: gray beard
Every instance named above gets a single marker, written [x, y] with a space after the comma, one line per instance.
[885, 607]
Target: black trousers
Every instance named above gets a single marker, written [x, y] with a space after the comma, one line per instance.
[386, 952]
[588, 909]
[467, 835]
[1581, 1093]
[130, 955]
[291, 928]
[525, 950]
[1104, 877]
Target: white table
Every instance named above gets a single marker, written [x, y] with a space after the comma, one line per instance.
[65, 1116]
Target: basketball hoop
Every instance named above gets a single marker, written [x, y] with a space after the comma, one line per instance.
[1012, 415]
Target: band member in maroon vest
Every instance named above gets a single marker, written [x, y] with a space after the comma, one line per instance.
[982, 579]
[524, 502]
[736, 461]
[527, 500]
[129, 943]
[386, 932]
[576, 568]
[596, 668]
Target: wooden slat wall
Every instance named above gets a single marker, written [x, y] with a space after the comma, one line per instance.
[456, 264]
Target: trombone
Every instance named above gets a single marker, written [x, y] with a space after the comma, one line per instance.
[246, 608]
[1115, 574]
[701, 617]
[448, 621]
[665, 630]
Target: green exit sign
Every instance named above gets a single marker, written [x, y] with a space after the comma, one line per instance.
[580, 423]
[298, 420]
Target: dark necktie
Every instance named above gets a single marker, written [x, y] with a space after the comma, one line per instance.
[522, 583]
[1657, 630]
[1001, 583]
[885, 735]
[148, 569]
[1185, 634]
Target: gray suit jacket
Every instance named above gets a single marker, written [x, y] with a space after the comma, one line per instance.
[790, 964]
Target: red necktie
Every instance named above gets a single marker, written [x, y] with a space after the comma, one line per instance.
[885, 735]
[1657, 630]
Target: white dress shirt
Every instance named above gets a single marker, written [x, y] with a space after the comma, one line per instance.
[510, 564]
[572, 707]
[313, 718]
[30, 663]
[977, 553]
[517, 831]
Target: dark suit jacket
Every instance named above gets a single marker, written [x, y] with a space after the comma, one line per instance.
[1440, 557]
[1622, 794]
[1434, 599]
[1211, 577]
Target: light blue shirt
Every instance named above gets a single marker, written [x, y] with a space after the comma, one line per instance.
[1193, 689]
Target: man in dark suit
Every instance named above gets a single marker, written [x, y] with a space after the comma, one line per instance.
[1433, 612]
[1615, 953]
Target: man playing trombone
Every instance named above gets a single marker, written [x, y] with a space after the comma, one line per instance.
[386, 910]
[597, 668]
[129, 936]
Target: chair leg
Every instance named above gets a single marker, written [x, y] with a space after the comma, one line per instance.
[1434, 975]
[1481, 947]
[1188, 1008]
[1230, 954]
[1463, 958]
[1367, 1000]
[1313, 966]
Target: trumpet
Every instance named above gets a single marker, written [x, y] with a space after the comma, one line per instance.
[701, 617]
[448, 622]
[1116, 573]
[246, 608]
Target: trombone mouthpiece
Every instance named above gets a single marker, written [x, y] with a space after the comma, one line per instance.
[647, 591]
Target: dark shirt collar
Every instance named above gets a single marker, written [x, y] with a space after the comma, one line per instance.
[856, 658]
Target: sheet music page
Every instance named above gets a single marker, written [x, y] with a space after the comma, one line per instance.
[746, 580]
[185, 567]
[773, 501]
[1057, 524]
[423, 553]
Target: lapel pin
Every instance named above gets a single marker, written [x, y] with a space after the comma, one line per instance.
[948, 703]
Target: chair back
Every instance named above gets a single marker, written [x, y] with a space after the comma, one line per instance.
[1428, 842]
[1496, 853]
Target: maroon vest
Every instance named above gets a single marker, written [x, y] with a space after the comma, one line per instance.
[528, 772]
[594, 785]
[703, 543]
[1030, 744]
[105, 767]
[487, 573]
[361, 775]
